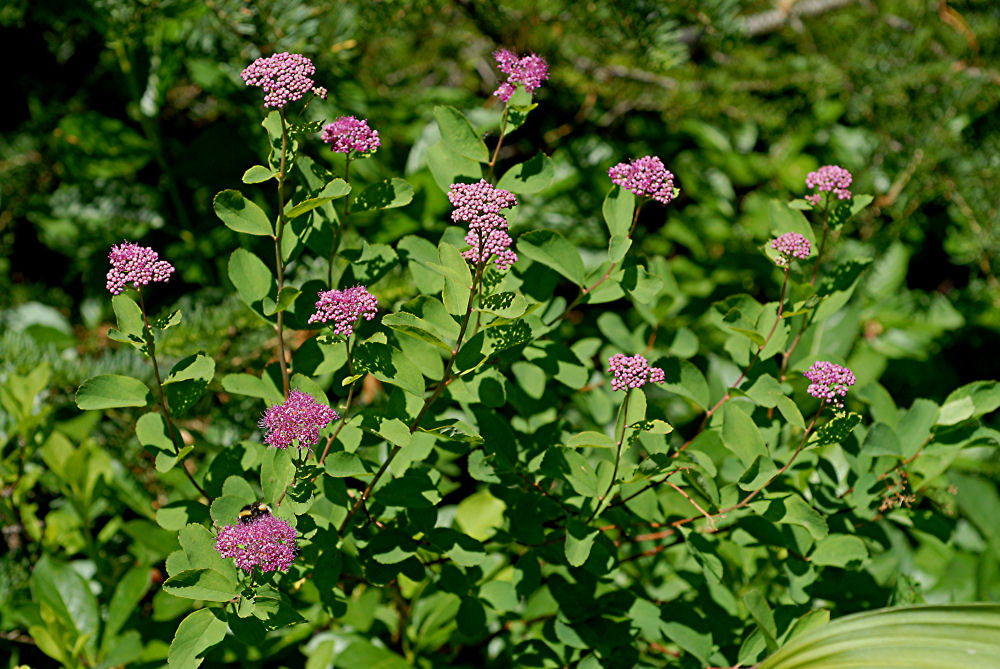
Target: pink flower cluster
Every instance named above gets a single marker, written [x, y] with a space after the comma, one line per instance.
[790, 245]
[348, 134]
[479, 205]
[299, 417]
[529, 71]
[138, 265]
[267, 542]
[633, 372]
[344, 308]
[283, 76]
[829, 178]
[645, 176]
[829, 382]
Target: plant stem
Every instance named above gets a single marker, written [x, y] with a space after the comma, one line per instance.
[496, 150]
[347, 407]
[280, 326]
[151, 347]
[438, 389]
[618, 458]
[585, 291]
[342, 223]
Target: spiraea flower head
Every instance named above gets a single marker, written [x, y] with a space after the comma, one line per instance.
[529, 71]
[284, 77]
[344, 308]
[348, 134]
[267, 543]
[645, 176]
[299, 418]
[829, 179]
[479, 205]
[632, 372]
[790, 245]
[137, 265]
[829, 382]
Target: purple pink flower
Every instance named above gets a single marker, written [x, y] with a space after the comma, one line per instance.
[829, 382]
[633, 372]
[646, 176]
[137, 265]
[284, 77]
[299, 417]
[267, 543]
[344, 308]
[529, 71]
[790, 245]
[831, 179]
[480, 205]
[348, 134]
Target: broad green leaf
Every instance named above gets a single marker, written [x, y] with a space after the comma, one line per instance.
[836, 430]
[448, 167]
[286, 298]
[619, 205]
[479, 514]
[506, 304]
[591, 439]
[579, 540]
[336, 189]
[458, 135]
[187, 381]
[970, 401]
[112, 391]
[251, 277]
[551, 249]
[618, 247]
[197, 633]
[531, 176]
[685, 379]
[741, 435]
[387, 194]
[241, 215]
[276, 472]
[362, 654]
[204, 584]
[915, 637]
[840, 550]
[258, 174]
[413, 326]
[252, 386]
[342, 465]
[127, 594]
[763, 616]
[60, 588]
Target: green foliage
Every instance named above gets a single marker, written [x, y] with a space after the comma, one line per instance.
[486, 499]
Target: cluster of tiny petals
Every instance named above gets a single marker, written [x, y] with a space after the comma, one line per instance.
[479, 205]
[632, 372]
[267, 543]
[320, 92]
[299, 417]
[344, 308]
[645, 176]
[348, 133]
[137, 265]
[829, 382]
[790, 245]
[529, 71]
[829, 179]
[284, 77]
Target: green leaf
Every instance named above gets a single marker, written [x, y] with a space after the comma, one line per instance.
[204, 584]
[840, 550]
[127, 595]
[741, 435]
[685, 379]
[531, 176]
[252, 386]
[447, 167]
[618, 247]
[112, 391]
[479, 514]
[187, 381]
[591, 439]
[387, 194]
[836, 430]
[551, 249]
[970, 401]
[418, 328]
[276, 472]
[362, 654]
[618, 209]
[197, 633]
[579, 541]
[915, 637]
[507, 304]
[458, 135]
[342, 465]
[60, 588]
[258, 174]
[241, 215]
[251, 277]
[336, 189]
[286, 298]
[130, 323]
[762, 614]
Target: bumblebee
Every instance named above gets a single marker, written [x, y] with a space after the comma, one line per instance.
[253, 512]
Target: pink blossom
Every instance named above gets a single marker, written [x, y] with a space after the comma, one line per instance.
[298, 418]
[790, 245]
[267, 543]
[479, 205]
[137, 265]
[344, 308]
[529, 71]
[829, 382]
[829, 178]
[284, 77]
[632, 372]
[647, 177]
[348, 134]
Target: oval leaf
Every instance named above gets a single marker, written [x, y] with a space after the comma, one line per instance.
[241, 215]
[112, 391]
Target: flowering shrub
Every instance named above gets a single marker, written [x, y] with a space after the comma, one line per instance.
[469, 487]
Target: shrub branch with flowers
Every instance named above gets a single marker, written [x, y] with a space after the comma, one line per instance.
[448, 475]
